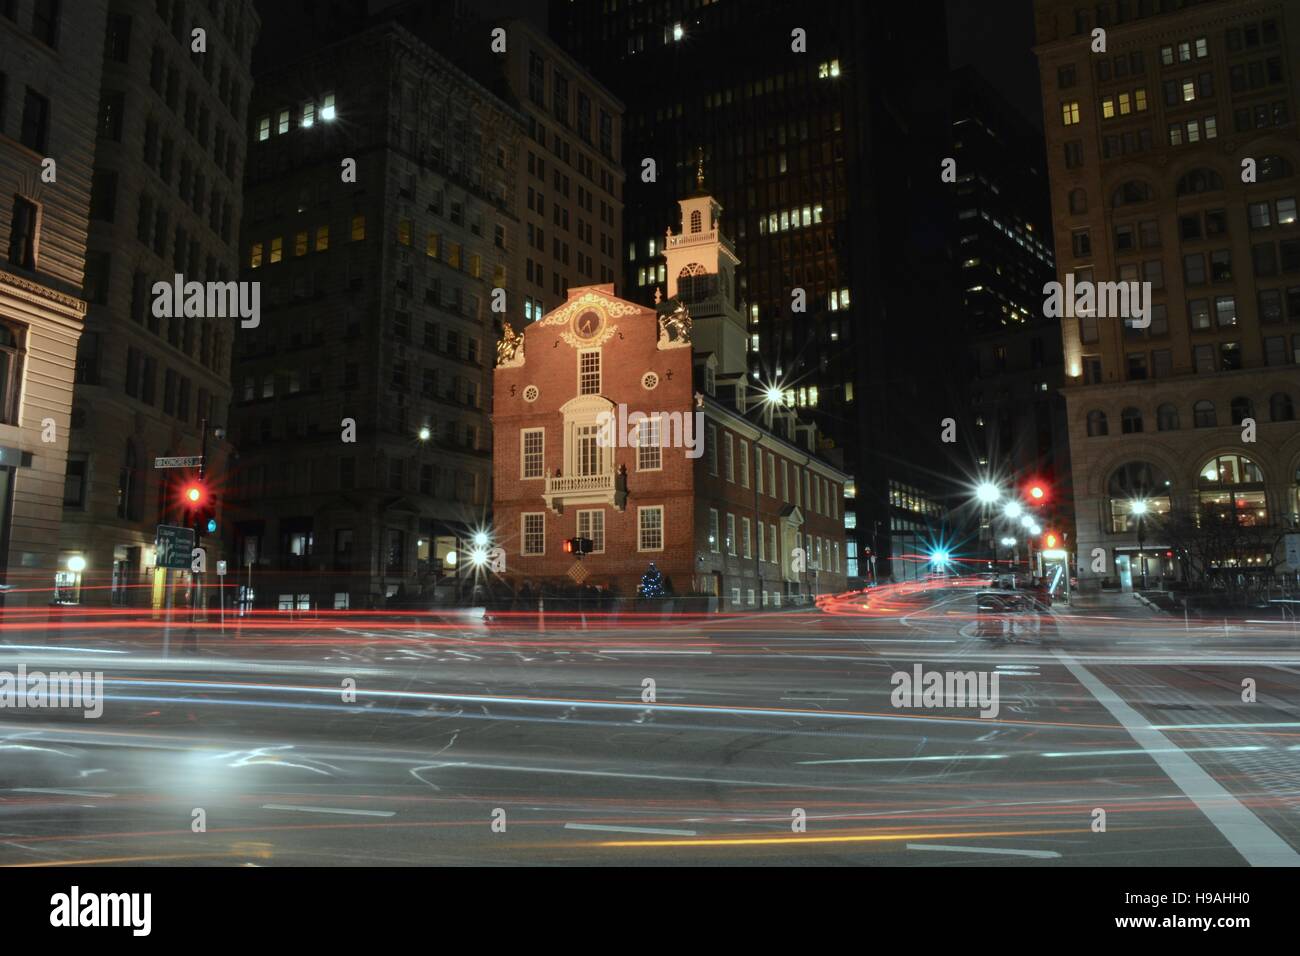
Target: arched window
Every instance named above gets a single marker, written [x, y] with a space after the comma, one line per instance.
[697, 221]
[693, 283]
[1281, 408]
[1133, 482]
[1199, 181]
[1130, 420]
[1203, 415]
[1273, 167]
[1130, 192]
[1078, 201]
[1167, 418]
[1097, 424]
[1242, 408]
[1231, 491]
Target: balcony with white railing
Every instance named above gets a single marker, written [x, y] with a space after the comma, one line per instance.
[603, 488]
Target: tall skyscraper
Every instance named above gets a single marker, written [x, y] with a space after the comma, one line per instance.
[1173, 158]
[49, 91]
[362, 402]
[169, 160]
[1005, 256]
[570, 190]
[822, 126]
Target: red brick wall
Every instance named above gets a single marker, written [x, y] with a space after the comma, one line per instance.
[551, 364]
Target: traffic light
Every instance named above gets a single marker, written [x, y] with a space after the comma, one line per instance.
[1036, 492]
[1051, 541]
[578, 546]
[200, 508]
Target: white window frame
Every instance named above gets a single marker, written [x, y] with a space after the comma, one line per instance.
[523, 454]
[597, 536]
[758, 469]
[744, 463]
[523, 533]
[715, 532]
[711, 448]
[641, 529]
[729, 457]
[583, 354]
[762, 542]
[746, 537]
[653, 448]
[731, 534]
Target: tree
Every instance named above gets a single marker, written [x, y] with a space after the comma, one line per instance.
[652, 583]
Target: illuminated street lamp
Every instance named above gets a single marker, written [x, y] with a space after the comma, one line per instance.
[988, 493]
[424, 433]
[1013, 510]
[76, 564]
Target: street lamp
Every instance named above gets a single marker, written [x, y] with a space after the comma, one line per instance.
[987, 493]
[1138, 509]
[1012, 510]
[424, 433]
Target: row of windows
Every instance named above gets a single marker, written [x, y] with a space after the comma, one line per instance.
[142, 382]
[591, 524]
[303, 116]
[813, 492]
[1281, 408]
[823, 554]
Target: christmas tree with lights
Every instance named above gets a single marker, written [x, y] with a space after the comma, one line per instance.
[652, 582]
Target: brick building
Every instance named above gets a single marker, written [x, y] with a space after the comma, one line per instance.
[720, 489]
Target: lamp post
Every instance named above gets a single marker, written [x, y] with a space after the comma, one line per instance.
[1139, 510]
[989, 494]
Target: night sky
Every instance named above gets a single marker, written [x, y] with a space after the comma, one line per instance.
[996, 37]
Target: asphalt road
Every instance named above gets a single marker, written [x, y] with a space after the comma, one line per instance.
[1120, 738]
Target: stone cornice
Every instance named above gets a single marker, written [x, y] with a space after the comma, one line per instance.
[31, 291]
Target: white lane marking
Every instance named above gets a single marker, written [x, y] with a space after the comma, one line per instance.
[65, 793]
[1249, 835]
[611, 829]
[606, 650]
[354, 813]
[908, 759]
[1037, 854]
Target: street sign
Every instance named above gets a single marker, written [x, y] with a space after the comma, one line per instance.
[193, 461]
[221, 569]
[1293, 550]
[175, 547]
[578, 572]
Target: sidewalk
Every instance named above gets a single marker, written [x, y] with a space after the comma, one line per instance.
[1108, 602]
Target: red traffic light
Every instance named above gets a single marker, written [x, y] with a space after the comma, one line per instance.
[194, 494]
[1036, 492]
[568, 545]
[1051, 541]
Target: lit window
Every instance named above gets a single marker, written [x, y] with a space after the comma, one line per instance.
[282, 126]
[678, 32]
[1140, 100]
[404, 231]
[308, 115]
[327, 108]
[322, 238]
[1107, 108]
[1125, 106]
[358, 227]
[263, 129]
[300, 244]
[277, 249]
[255, 256]
[1070, 113]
